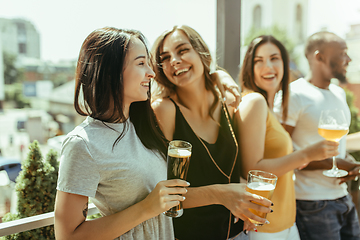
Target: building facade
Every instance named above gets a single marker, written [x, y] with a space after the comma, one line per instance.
[353, 43]
[290, 15]
[353, 70]
[20, 38]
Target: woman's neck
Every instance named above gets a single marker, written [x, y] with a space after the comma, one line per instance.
[111, 117]
[270, 100]
[196, 99]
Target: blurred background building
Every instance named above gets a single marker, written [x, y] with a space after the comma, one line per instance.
[20, 37]
[290, 15]
[353, 42]
[36, 96]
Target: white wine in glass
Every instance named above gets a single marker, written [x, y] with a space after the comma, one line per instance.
[333, 126]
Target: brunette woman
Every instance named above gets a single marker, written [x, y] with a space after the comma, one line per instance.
[116, 156]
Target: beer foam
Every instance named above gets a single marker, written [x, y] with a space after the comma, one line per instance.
[175, 152]
[260, 186]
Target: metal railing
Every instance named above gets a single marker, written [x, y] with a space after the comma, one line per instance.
[38, 221]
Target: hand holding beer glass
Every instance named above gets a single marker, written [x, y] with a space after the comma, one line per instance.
[333, 126]
[263, 184]
[178, 160]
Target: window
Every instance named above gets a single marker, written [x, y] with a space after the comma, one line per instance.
[257, 17]
[21, 37]
[22, 48]
[299, 23]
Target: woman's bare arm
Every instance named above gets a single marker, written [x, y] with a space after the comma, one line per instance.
[252, 130]
[71, 211]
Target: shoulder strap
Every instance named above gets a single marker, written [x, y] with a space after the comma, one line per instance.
[177, 107]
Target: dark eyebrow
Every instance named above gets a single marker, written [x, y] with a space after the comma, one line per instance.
[275, 54]
[141, 56]
[178, 46]
[270, 55]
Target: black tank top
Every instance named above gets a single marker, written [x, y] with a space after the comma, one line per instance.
[208, 222]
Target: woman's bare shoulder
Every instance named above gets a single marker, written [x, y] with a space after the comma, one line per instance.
[165, 113]
[253, 99]
[163, 105]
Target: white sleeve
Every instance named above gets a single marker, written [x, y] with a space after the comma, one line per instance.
[277, 106]
[294, 109]
[78, 172]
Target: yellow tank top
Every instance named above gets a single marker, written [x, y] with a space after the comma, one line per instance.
[277, 144]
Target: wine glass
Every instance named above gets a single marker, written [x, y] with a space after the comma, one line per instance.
[333, 126]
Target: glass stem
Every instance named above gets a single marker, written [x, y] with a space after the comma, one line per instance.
[334, 167]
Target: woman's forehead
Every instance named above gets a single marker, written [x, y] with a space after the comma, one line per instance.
[174, 39]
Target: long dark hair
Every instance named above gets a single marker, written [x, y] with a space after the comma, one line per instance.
[99, 88]
[199, 46]
[246, 76]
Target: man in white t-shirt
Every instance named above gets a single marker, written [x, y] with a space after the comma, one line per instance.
[324, 208]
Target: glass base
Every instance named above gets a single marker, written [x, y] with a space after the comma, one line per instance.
[335, 173]
[174, 213]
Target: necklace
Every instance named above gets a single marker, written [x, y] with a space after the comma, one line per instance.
[236, 145]
[212, 159]
[217, 166]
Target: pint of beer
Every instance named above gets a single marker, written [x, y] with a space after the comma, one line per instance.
[178, 160]
[263, 184]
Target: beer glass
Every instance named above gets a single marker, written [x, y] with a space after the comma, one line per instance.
[263, 184]
[333, 126]
[178, 160]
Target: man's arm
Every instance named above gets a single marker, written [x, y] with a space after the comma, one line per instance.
[353, 142]
[349, 164]
[345, 164]
[315, 165]
[354, 170]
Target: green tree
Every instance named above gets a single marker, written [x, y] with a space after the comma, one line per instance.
[354, 127]
[14, 93]
[13, 78]
[36, 189]
[12, 74]
[355, 120]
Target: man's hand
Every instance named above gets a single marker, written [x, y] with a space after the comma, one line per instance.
[352, 175]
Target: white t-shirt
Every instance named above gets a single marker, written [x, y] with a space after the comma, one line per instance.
[114, 178]
[305, 105]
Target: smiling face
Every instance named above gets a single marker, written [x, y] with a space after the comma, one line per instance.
[268, 67]
[338, 60]
[137, 73]
[180, 62]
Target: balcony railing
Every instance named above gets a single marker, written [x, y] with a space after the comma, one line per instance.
[29, 223]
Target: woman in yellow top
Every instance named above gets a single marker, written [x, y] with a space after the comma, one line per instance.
[264, 143]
